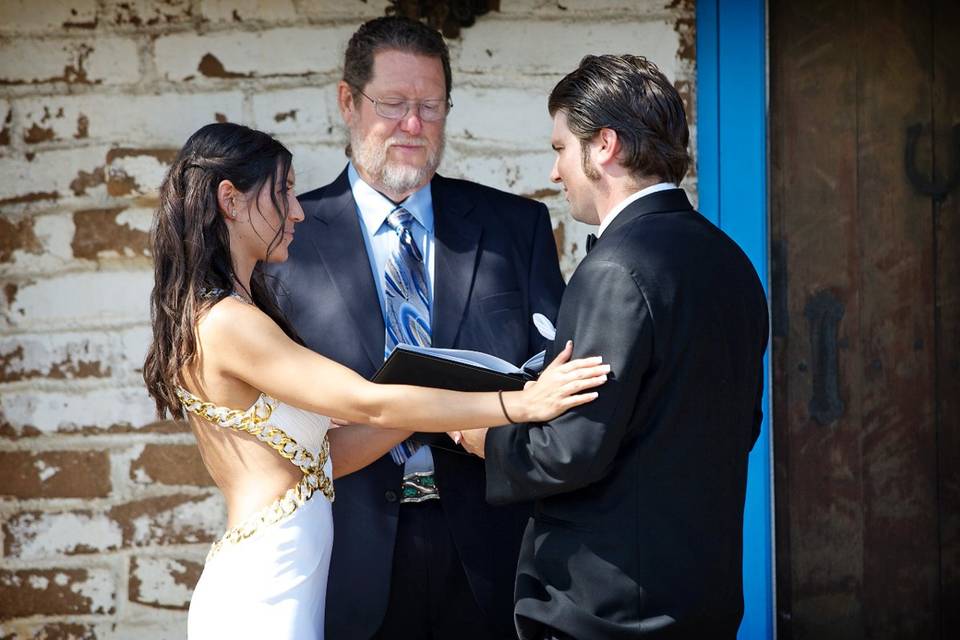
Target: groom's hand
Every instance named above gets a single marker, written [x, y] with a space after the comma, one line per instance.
[471, 440]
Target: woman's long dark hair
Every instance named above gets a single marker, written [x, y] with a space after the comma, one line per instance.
[191, 245]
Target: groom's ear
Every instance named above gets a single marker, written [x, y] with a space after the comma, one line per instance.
[607, 146]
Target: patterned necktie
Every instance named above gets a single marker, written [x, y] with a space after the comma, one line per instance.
[406, 302]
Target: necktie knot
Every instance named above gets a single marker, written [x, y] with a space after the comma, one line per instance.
[399, 220]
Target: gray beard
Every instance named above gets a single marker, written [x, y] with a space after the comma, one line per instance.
[393, 177]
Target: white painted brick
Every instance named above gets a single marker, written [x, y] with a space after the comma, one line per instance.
[95, 354]
[52, 411]
[310, 112]
[106, 60]
[160, 581]
[149, 120]
[273, 52]
[573, 246]
[55, 233]
[40, 535]
[65, 172]
[316, 165]
[515, 118]
[496, 46]
[195, 519]
[6, 121]
[517, 172]
[570, 8]
[146, 13]
[238, 11]
[149, 625]
[80, 300]
[360, 10]
[136, 174]
[18, 16]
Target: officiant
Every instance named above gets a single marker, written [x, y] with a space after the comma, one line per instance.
[417, 550]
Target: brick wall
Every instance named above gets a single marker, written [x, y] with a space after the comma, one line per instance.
[105, 512]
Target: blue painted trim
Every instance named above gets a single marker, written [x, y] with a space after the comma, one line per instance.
[708, 111]
[732, 184]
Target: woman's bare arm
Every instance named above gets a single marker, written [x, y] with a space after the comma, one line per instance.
[241, 341]
[354, 446]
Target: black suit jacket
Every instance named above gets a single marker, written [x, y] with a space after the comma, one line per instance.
[495, 265]
[638, 517]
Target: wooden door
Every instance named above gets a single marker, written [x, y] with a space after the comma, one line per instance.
[866, 317]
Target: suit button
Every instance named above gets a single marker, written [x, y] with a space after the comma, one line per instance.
[390, 496]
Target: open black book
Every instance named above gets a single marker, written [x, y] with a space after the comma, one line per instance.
[455, 369]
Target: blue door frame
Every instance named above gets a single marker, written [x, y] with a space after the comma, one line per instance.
[732, 184]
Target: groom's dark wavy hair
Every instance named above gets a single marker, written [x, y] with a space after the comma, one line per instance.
[190, 245]
[630, 95]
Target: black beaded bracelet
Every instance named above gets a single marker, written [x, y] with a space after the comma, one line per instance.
[504, 408]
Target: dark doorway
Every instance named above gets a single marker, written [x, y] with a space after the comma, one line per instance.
[865, 233]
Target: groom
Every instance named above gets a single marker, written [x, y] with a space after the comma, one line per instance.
[417, 553]
[637, 526]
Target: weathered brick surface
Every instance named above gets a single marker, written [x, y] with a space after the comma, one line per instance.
[236, 12]
[74, 355]
[53, 175]
[96, 96]
[169, 118]
[503, 46]
[163, 582]
[33, 535]
[177, 519]
[27, 630]
[55, 474]
[79, 299]
[20, 16]
[97, 410]
[6, 121]
[293, 51]
[56, 592]
[308, 111]
[105, 60]
[146, 13]
[170, 464]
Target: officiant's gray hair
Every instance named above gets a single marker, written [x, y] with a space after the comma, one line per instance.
[391, 33]
[631, 96]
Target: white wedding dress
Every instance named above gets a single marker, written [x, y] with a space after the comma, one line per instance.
[267, 578]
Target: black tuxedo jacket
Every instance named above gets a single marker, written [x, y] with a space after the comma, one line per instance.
[495, 265]
[638, 513]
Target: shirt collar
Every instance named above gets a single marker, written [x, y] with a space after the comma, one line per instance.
[374, 207]
[660, 186]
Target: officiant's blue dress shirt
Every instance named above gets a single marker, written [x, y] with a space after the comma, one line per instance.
[372, 209]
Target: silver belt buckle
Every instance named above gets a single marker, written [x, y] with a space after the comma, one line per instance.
[419, 486]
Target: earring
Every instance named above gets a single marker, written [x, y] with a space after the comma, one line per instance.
[233, 214]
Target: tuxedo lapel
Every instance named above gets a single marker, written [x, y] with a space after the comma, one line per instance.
[456, 242]
[340, 245]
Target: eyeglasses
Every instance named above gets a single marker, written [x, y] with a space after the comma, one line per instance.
[397, 109]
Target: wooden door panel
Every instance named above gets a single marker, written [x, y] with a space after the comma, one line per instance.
[946, 156]
[866, 319]
[818, 480]
[898, 429]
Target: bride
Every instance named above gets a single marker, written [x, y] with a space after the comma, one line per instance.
[257, 400]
